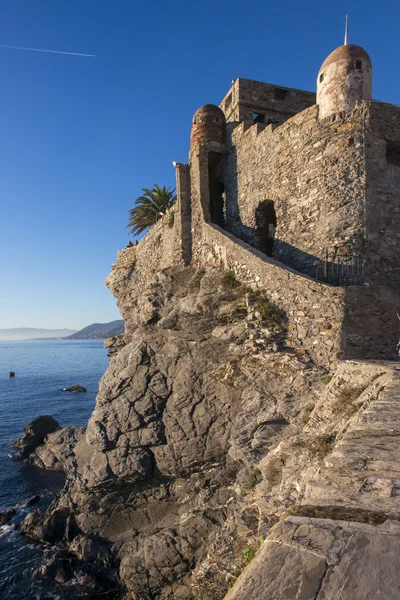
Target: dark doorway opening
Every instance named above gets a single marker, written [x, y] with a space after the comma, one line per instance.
[216, 188]
[393, 153]
[265, 227]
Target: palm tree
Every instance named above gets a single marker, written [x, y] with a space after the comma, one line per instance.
[150, 207]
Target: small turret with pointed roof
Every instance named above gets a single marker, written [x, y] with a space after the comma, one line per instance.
[344, 79]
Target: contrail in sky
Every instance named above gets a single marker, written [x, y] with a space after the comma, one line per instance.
[48, 51]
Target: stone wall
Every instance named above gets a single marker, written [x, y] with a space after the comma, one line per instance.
[370, 328]
[167, 243]
[383, 195]
[183, 214]
[315, 311]
[270, 102]
[200, 188]
[125, 258]
[314, 172]
[159, 249]
[328, 322]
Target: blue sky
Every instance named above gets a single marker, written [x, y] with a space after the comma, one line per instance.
[80, 137]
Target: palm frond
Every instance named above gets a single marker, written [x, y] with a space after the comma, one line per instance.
[150, 207]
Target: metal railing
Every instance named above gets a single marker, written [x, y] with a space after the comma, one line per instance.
[340, 269]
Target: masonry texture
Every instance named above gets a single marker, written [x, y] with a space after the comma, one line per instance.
[298, 199]
[314, 173]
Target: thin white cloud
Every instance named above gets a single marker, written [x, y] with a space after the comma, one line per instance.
[48, 51]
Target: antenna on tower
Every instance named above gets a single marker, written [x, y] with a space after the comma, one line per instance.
[346, 31]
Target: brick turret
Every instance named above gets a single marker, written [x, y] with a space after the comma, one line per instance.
[208, 125]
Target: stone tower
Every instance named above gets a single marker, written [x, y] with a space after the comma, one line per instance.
[344, 79]
[208, 125]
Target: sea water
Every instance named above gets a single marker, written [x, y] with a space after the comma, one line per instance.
[42, 368]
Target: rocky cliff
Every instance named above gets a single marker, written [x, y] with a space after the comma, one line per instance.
[220, 462]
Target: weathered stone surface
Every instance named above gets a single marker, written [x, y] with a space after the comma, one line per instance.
[59, 450]
[63, 568]
[34, 434]
[115, 344]
[286, 567]
[364, 468]
[201, 436]
[317, 559]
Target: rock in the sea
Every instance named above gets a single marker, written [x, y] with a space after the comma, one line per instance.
[35, 433]
[7, 515]
[75, 389]
[58, 452]
[64, 567]
[58, 526]
[32, 501]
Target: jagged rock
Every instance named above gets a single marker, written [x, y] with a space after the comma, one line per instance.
[63, 567]
[75, 389]
[114, 344]
[35, 433]
[7, 515]
[32, 501]
[201, 437]
[90, 548]
[58, 526]
[31, 526]
[58, 451]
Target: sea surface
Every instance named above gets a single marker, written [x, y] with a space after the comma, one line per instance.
[43, 368]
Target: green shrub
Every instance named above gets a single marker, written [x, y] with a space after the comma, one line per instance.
[270, 313]
[345, 401]
[249, 554]
[229, 281]
[327, 378]
[255, 476]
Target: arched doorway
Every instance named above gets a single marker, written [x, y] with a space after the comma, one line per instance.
[265, 227]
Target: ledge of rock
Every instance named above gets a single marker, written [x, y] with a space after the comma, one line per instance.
[35, 433]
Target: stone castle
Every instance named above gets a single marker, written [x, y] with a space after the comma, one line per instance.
[222, 459]
[298, 194]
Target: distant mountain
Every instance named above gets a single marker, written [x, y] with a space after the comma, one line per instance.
[99, 331]
[31, 333]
